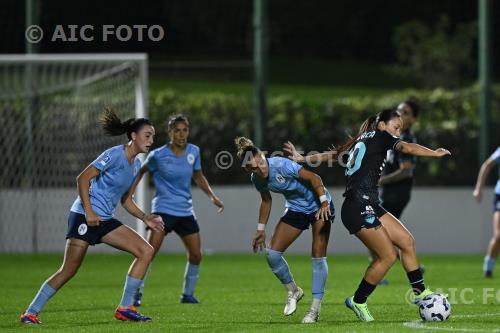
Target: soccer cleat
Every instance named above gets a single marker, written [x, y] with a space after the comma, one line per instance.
[361, 310]
[292, 299]
[129, 313]
[418, 298]
[488, 274]
[30, 318]
[189, 299]
[138, 298]
[311, 317]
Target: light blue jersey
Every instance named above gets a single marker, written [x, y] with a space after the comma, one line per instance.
[496, 157]
[115, 178]
[172, 177]
[284, 178]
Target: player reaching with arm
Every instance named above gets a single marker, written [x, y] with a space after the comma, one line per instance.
[362, 214]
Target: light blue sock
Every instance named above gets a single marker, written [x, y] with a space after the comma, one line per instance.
[42, 297]
[489, 264]
[279, 266]
[191, 276]
[141, 287]
[131, 285]
[319, 276]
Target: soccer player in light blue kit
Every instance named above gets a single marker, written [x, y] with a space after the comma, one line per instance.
[307, 203]
[173, 166]
[91, 219]
[494, 246]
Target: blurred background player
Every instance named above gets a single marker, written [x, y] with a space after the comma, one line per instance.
[307, 203]
[362, 213]
[398, 176]
[91, 219]
[494, 246]
[173, 166]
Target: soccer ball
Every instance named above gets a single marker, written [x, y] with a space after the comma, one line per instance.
[435, 307]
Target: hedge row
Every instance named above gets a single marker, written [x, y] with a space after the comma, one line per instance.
[449, 119]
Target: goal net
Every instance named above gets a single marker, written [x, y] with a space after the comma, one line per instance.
[50, 106]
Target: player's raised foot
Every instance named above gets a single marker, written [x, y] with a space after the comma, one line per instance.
[361, 310]
[129, 313]
[312, 316]
[30, 318]
[138, 298]
[291, 302]
[418, 298]
[488, 274]
[189, 299]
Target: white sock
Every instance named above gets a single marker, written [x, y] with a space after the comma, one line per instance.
[316, 304]
[291, 287]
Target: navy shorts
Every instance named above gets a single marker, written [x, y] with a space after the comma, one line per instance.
[496, 203]
[182, 225]
[357, 215]
[301, 220]
[78, 228]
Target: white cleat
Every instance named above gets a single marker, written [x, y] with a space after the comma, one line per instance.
[311, 317]
[292, 300]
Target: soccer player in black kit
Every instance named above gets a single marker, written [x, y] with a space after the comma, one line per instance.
[397, 177]
[362, 213]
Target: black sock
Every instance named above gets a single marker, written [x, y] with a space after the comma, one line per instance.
[416, 281]
[364, 290]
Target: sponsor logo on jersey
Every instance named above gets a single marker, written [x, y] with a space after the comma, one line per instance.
[370, 219]
[190, 159]
[82, 229]
[279, 178]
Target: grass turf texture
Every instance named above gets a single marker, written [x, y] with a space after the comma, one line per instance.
[238, 293]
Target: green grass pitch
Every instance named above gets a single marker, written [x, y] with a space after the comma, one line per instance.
[240, 294]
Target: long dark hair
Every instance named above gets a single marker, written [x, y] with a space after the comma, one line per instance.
[113, 126]
[368, 125]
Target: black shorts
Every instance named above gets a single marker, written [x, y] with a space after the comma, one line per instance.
[357, 215]
[182, 225]
[496, 203]
[395, 207]
[301, 220]
[78, 228]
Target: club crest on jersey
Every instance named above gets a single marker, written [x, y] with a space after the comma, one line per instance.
[279, 178]
[105, 159]
[190, 159]
[82, 229]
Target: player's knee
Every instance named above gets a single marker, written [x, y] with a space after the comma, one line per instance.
[146, 252]
[195, 258]
[390, 258]
[408, 243]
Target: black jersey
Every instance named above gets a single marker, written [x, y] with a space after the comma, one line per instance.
[365, 164]
[400, 189]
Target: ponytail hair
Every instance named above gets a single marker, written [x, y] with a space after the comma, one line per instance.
[244, 145]
[370, 124]
[113, 126]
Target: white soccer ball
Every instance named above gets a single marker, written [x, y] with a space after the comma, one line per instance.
[435, 307]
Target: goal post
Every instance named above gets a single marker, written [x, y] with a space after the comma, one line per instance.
[50, 105]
